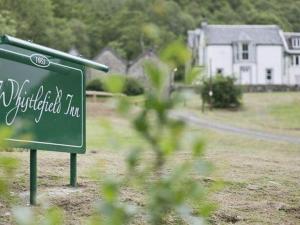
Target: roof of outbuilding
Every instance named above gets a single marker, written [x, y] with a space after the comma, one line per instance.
[228, 34]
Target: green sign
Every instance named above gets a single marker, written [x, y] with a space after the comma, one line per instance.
[42, 96]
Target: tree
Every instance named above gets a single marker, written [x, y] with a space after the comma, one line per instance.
[7, 23]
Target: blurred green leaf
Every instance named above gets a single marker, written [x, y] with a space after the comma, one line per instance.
[198, 147]
[114, 83]
[53, 216]
[110, 190]
[176, 54]
[156, 77]
[192, 75]
[151, 31]
[133, 158]
[23, 216]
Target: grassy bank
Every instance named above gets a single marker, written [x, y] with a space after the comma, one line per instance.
[261, 179]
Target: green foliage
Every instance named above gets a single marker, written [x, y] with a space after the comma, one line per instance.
[132, 87]
[175, 54]
[7, 23]
[22, 216]
[8, 167]
[27, 216]
[221, 92]
[167, 191]
[95, 85]
[132, 26]
[114, 83]
[128, 86]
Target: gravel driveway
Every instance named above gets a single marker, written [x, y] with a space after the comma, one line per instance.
[195, 120]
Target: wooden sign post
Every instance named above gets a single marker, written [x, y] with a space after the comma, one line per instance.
[42, 99]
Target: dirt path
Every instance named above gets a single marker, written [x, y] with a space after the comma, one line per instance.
[194, 119]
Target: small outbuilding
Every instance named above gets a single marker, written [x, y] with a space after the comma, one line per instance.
[110, 58]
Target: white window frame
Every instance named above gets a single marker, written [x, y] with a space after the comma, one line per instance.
[296, 42]
[242, 51]
[296, 60]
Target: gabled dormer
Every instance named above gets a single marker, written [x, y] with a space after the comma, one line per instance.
[291, 41]
[243, 48]
[295, 42]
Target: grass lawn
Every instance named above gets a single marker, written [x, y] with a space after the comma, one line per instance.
[273, 112]
[262, 179]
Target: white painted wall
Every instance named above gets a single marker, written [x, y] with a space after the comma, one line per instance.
[239, 76]
[267, 57]
[221, 57]
[270, 57]
[294, 75]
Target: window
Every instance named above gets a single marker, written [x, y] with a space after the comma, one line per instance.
[269, 76]
[245, 51]
[220, 71]
[244, 68]
[242, 51]
[296, 60]
[296, 42]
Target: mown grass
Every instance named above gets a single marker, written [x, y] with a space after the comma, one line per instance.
[261, 178]
[272, 112]
[109, 134]
[288, 114]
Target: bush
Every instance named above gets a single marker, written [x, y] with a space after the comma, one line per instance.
[225, 94]
[179, 74]
[95, 85]
[132, 87]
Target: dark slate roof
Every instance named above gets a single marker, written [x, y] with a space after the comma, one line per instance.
[227, 34]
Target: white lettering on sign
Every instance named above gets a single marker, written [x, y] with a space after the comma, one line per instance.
[39, 60]
[16, 98]
[73, 111]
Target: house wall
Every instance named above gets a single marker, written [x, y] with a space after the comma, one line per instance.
[270, 57]
[286, 68]
[294, 75]
[267, 57]
[201, 50]
[220, 57]
[251, 75]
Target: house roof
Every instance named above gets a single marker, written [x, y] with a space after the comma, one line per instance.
[146, 55]
[112, 51]
[228, 34]
[288, 38]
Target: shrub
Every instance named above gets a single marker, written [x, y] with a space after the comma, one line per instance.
[95, 85]
[132, 87]
[179, 74]
[168, 190]
[225, 94]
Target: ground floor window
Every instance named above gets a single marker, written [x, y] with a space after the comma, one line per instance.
[269, 76]
[244, 68]
[296, 60]
[220, 71]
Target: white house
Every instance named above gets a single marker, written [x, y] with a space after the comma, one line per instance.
[253, 54]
